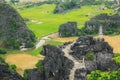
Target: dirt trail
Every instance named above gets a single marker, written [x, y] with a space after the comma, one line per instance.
[77, 64]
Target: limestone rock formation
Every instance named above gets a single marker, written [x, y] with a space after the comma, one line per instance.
[68, 29]
[35, 74]
[98, 54]
[73, 60]
[110, 24]
[6, 74]
[13, 30]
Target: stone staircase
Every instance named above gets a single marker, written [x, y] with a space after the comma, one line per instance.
[78, 64]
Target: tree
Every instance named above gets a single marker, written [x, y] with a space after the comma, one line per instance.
[14, 1]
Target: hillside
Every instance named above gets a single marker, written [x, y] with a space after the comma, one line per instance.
[13, 30]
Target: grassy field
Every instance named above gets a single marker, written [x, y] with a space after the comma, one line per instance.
[43, 21]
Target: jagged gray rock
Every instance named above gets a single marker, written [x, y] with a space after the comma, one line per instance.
[68, 29]
[6, 74]
[101, 53]
[64, 62]
[110, 24]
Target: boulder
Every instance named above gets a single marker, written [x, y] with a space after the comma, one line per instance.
[68, 29]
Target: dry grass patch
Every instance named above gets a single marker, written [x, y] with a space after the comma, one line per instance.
[114, 41]
[67, 39]
[23, 61]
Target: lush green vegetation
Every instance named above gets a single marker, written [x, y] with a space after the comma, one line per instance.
[12, 68]
[99, 75]
[40, 66]
[117, 58]
[50, 22]
[3, 51]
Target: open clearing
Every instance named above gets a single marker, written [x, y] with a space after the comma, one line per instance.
[23, 61]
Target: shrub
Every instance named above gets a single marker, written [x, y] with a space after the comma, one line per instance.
[25, 75]
[2, 51]
[40, 66]
[12, 68]
[90, 56]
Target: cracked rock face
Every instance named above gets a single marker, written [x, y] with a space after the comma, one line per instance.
[56, 66]
[101, 51]
[97, 55]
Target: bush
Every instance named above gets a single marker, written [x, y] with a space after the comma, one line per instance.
[40, 66]
[25, 75]
[13, 68]
[12, 43]
[99, 75]
[2, 51]
[90, 56]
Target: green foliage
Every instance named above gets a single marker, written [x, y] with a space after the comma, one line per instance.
[117, 60]
[3, 51]
[66, 6]
[40, 66]
[14, 1]
[90, 56]
[109, 4]
[53, 42]
[25, 75]
[12, 68]
[98, 75]
[12, 43]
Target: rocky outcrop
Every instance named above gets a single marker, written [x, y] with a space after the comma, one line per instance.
[66, 5]
[56, 65]
[98, 54]
[13, 30]
[6, 74]
[68, 29]
[35, 74]
[110, 24]
[73, 60]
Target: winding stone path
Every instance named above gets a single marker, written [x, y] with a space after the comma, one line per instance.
[78, 64]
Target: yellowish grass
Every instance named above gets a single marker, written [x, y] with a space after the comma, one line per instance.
[66, 39]
[23, 61]
[114, 41]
